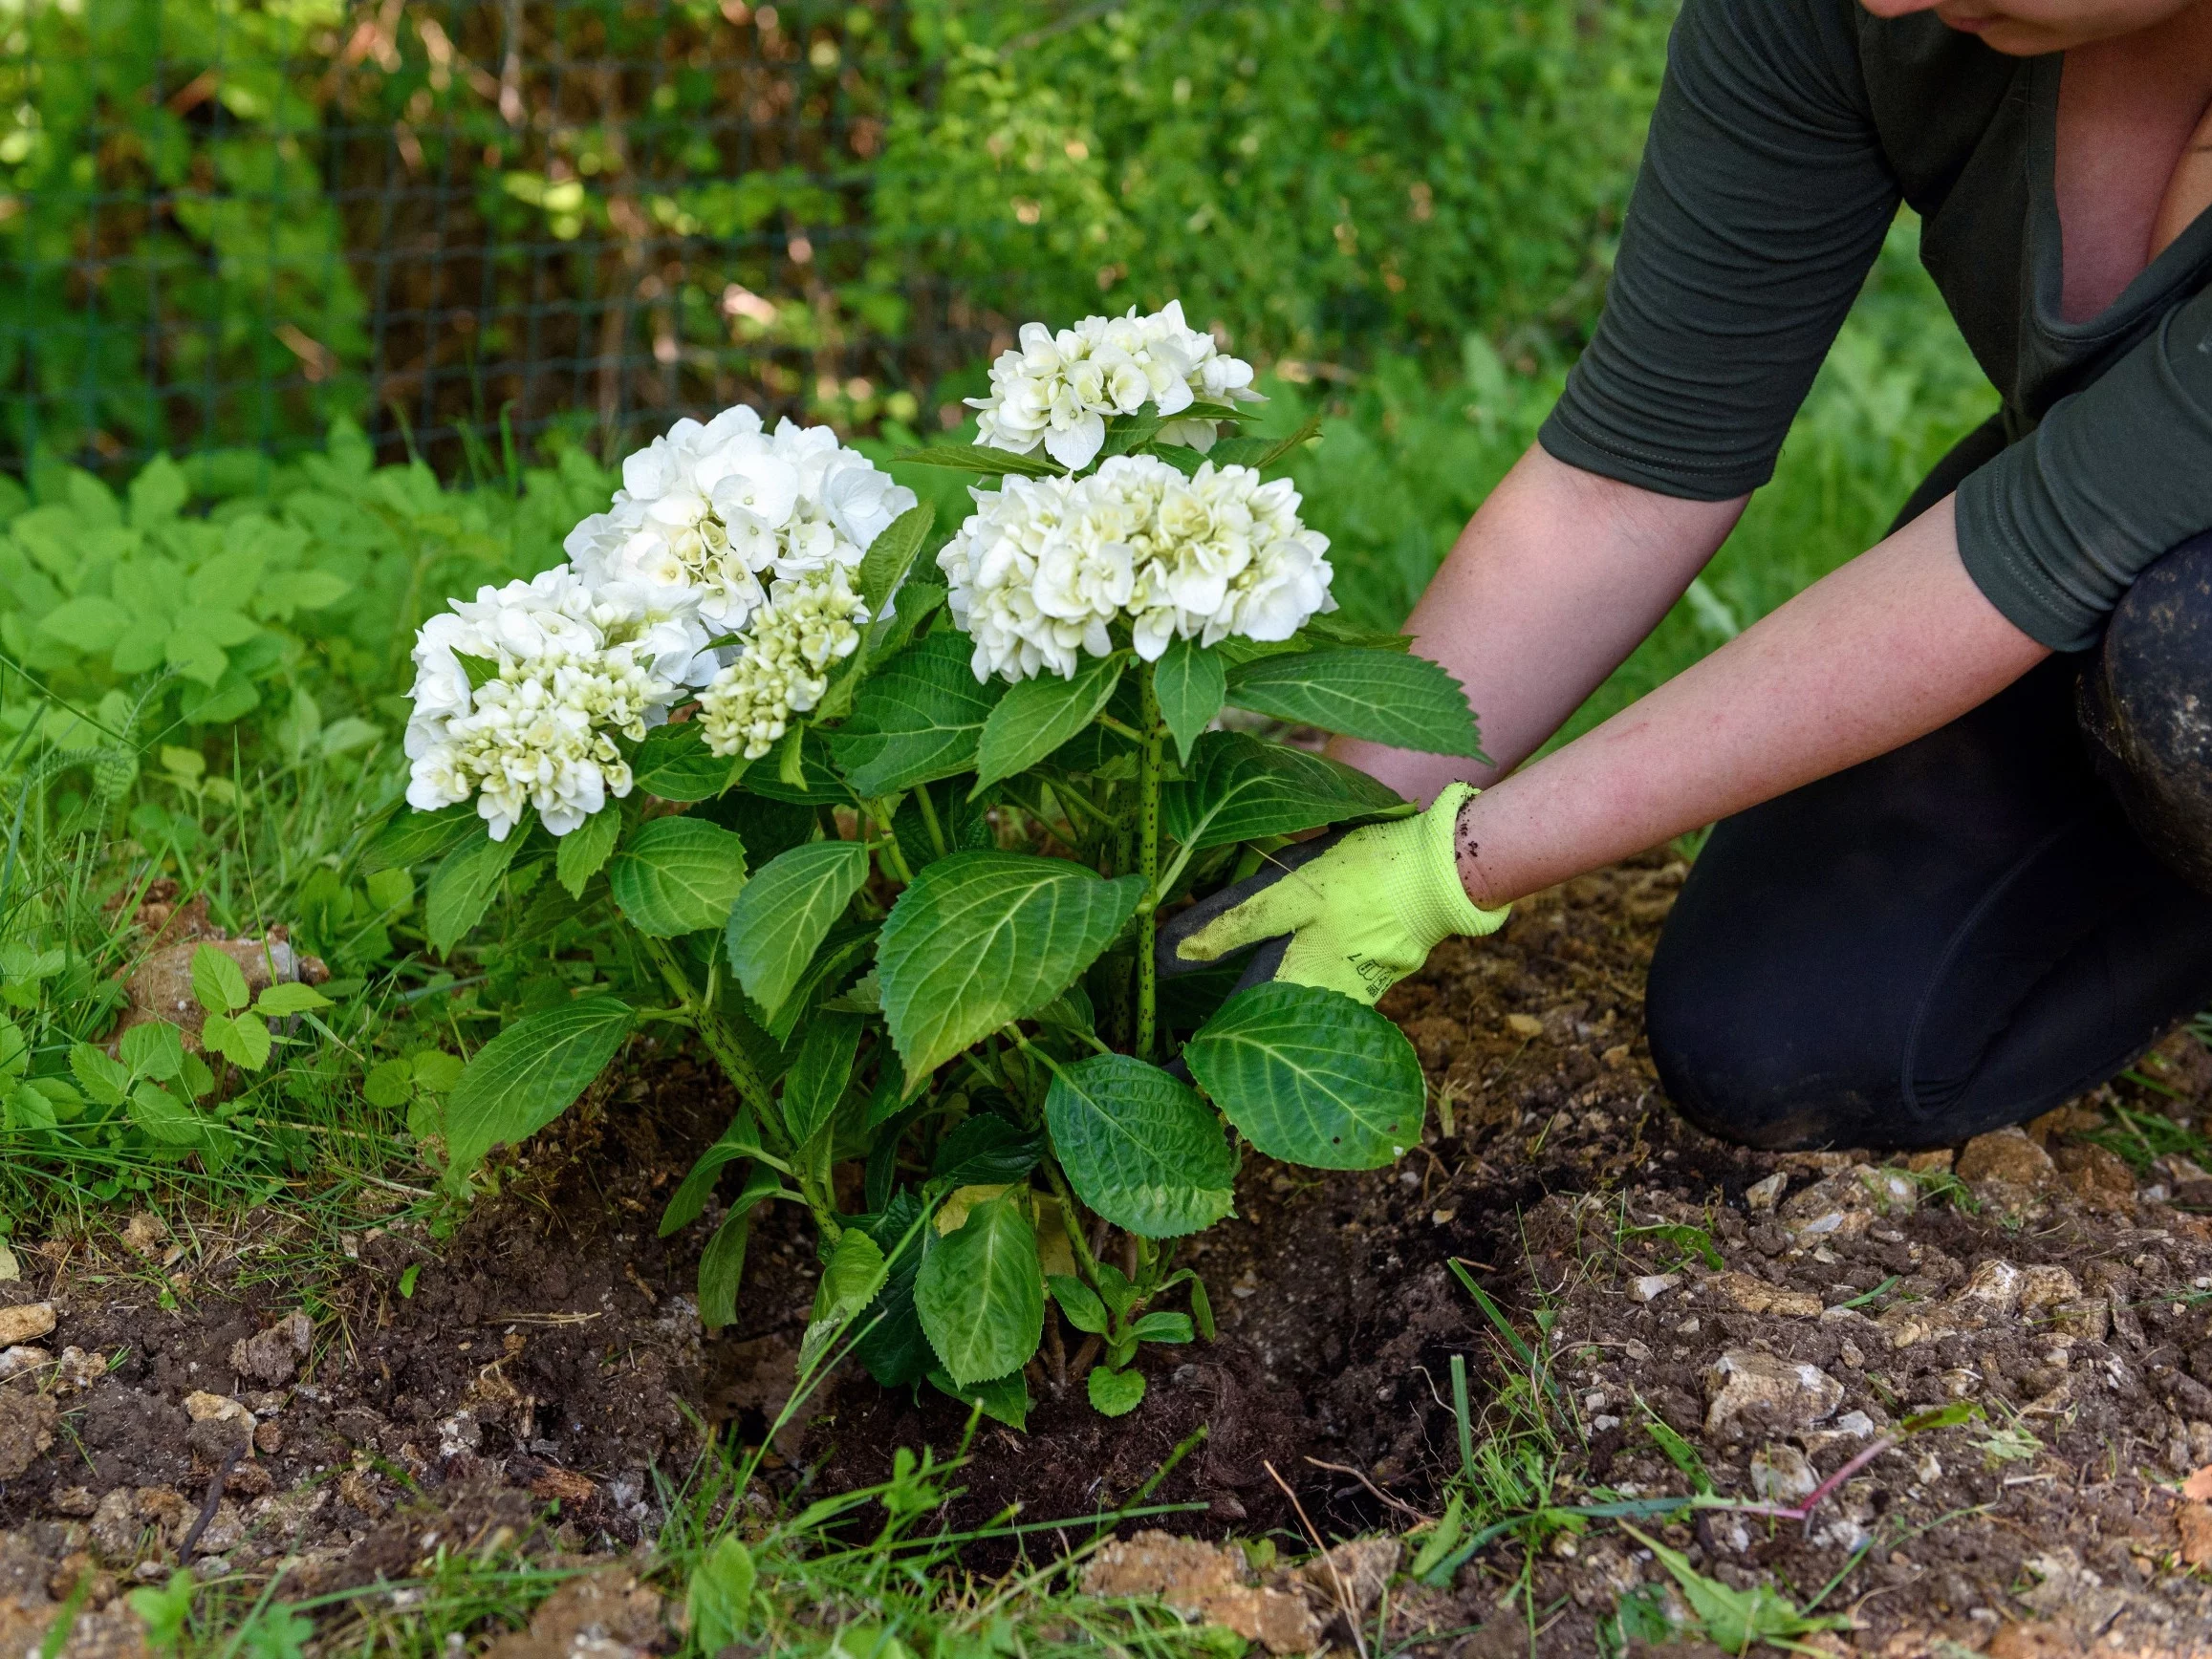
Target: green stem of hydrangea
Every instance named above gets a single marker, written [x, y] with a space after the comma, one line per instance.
[1148, 859]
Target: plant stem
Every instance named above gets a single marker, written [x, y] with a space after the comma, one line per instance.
[1148, 861]
[929, 821]
[887, 842]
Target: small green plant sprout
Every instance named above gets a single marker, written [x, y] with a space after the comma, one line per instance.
[236, 1023]
[419, 1082]
[888, 837]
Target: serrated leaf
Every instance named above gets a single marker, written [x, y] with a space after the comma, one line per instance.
[1243, 788]
[983, 458]
[819, 1074]
[786, 912]
[1037, 716]
[166, 1119]
[1310, 1076]
[528, 1075]
[88, 623]
[155, 1050]
[463, 887]
[584, 851]
[854, 1272]
[1004, 1399]
[675, 764]
[984, 937]
[481, 671]
[1263, 452]
[418, 837]
[720, 1595]
[1190, 683]
[282, 1001]
[105, 1080]
[676, 875]
[842, 954]
[981, 1295]
[986, 1149]
[920, 718]
[1163, 1326]
[218, 981]
[1140, 1148]
[1386, 696]
[891, 554]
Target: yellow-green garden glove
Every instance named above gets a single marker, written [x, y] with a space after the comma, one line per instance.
[1354, 912]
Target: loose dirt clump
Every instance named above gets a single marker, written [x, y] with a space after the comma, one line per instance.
[1706, 1317]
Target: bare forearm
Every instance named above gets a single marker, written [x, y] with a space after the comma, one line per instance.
[1886, 649]
[1553, 582]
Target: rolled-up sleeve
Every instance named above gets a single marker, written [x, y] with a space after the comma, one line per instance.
[2056, 529]
[1762, 201]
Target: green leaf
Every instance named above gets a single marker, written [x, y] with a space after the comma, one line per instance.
[1191, 684]
[817, 1078]
[891, 554]
[1114, 1393]
[851, 1278]
[720, 1595]
[389, 1081]
[675, 764]
[1039, 715]
[1262, 452]
[1170, 1327]
[1004, 1399]
[158, 493]
[984, 937]
[980, 1294]
[585, 849]
[166, 1119]
[463, 887]
[108, 1080]
[1329, 628]
[722, 1269]
[1244, 787]
[87, 623]
[1140, 1148]
[218, 981]
[785, 913]
[1312, 1077]
[893, 1347]
[419, 837]
[528, 1075]
[1080, 1303]
[796, 772]
[241, 1039]
[155, 1050]
[740, 1140]
[1386, 696]
[676, 875]
[15, 1049]
[282, 1001]
[841, 954]
[482, 670]
[920, 718]
[983, 458]
[984, 1151]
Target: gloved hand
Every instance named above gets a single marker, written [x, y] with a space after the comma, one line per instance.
[1354, 912]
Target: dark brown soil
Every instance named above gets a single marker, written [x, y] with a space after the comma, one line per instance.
[536, 1370]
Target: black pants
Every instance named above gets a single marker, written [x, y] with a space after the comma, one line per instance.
[1959, 935]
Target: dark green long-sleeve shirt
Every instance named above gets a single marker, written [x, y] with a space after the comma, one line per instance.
[1787, 132]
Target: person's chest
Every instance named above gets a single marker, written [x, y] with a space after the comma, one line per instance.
[2048, 267]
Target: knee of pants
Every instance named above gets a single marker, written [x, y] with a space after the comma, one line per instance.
[2146, 708]
[1734, 1072]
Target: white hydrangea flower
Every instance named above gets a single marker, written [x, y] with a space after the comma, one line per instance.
[807, 624]
[723, 510]
[576, 667]
[1058, 389]
[1046, 567]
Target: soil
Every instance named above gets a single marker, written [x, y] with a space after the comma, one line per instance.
[1777, 1312]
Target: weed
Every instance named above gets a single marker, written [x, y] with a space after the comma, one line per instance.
[1734, 1620]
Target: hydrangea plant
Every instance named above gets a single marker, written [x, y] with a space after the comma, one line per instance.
[891, 836]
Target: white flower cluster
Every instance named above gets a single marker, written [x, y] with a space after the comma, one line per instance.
[722, 563]
[722, 510]
[1047, 565]
[574, 668]
[1058, 389]
[784, 669]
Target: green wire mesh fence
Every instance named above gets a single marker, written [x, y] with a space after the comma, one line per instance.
[225, 223]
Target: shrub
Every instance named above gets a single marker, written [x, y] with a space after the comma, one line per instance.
[899, 861]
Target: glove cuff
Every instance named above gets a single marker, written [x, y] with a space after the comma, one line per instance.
[1436, 901]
